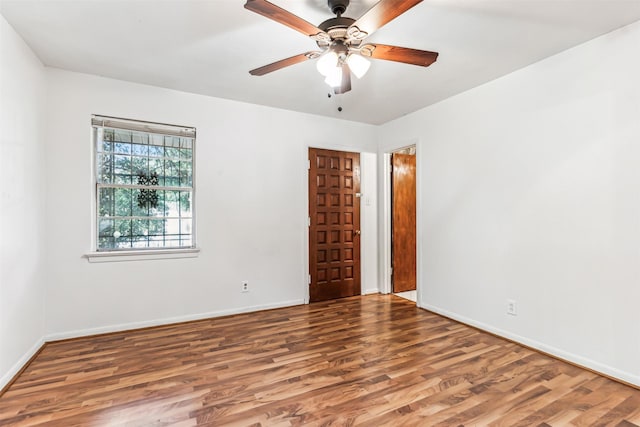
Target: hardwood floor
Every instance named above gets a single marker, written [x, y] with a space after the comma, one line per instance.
[375, 361]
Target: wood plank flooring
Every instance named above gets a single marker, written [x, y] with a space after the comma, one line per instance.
[374, 361]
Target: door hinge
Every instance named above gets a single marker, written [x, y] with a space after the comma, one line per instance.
[308, 221]
[309, 279]
[308, 164]
[390, 168]
[391, 271]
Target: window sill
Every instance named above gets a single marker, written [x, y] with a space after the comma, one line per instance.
[144, 255]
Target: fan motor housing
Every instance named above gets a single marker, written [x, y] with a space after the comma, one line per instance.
[336, 26]
[338, 7]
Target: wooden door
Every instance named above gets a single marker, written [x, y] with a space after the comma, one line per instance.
[403, 222]
[334, 226]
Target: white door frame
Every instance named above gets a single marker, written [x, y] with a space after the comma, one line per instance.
[385, 280]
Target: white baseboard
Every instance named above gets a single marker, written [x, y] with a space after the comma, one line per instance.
[570, 357]
[166, 321]
[8, 376]
[370, 291]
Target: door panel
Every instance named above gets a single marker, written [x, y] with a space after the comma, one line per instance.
[334, 231]
[403, 223]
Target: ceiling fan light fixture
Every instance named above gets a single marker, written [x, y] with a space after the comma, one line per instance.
[334, 78]
[340, 40]
[358, 64]
[327, 63]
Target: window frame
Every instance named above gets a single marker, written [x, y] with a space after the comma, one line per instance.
[143, 253]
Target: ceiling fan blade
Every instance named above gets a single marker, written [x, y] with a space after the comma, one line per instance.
[345, 86]
[381, 13]
[283, 63]
[407, 55]
[278, 14]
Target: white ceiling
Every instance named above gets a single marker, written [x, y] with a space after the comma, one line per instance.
[208, 46]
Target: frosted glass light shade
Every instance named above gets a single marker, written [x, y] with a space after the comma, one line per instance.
[334, 78]
[358, 65]
[327, 63]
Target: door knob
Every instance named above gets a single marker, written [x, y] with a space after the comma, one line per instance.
[358, 232]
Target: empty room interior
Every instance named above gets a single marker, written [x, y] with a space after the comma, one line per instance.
[312, 212]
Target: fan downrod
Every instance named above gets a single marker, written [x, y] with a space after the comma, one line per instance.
[338, 7]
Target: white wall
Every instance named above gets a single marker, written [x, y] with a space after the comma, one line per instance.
[22, 232]
[369, 223]
[251, 206]
[530, 189]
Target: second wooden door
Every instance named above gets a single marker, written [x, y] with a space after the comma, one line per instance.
[403, 222]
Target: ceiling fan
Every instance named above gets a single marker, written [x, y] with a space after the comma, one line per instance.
[341, 40]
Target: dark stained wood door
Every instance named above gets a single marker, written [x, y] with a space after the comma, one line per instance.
[403, 223]
[334, 228]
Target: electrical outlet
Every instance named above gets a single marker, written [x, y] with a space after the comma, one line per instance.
[512, 308]
[245, 286]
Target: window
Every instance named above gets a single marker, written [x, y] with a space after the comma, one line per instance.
[144, 185]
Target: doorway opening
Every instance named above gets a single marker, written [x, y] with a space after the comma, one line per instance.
[403, 230]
